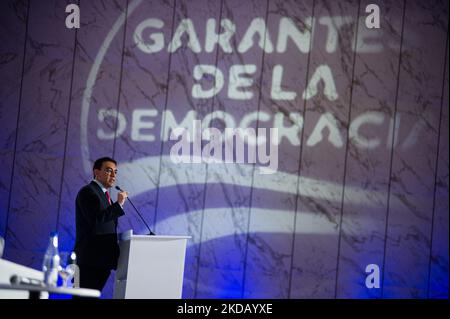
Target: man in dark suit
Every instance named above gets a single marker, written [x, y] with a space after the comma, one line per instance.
[96, 225]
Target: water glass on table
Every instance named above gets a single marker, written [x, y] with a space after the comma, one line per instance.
[67, 268]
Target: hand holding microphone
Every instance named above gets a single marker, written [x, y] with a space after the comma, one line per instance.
[122, 196]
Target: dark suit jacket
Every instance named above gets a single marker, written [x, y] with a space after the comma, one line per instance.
[96, 228]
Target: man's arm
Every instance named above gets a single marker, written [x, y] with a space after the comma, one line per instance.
[89, 202]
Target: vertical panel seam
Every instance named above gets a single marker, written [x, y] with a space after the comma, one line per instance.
[437, 166]
[58, 212]
[206, 168]
[349, 116]
[301, 149]
[17, 121]
[392, 150]
[120, 78]
[254, 164]
[163, 120]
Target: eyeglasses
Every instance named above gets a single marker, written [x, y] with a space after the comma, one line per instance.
[109, 171]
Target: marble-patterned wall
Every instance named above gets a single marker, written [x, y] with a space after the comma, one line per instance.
[362, 117]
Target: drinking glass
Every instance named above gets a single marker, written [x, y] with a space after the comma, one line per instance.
[67, 267]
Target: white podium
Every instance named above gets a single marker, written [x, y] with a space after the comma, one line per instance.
[150, 267]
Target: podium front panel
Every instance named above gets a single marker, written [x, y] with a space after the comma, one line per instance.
[151, 267]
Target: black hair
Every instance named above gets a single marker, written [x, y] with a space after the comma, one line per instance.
[99, 162]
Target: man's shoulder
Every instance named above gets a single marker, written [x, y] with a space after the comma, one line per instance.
[88, 189]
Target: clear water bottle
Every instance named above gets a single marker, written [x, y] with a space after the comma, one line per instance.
[51, 262]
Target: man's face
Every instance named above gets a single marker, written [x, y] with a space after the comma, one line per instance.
[106, 174]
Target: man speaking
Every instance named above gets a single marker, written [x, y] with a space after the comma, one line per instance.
[96, 225]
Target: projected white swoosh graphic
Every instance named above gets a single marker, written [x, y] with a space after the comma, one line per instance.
[230, 173]
[307, 218]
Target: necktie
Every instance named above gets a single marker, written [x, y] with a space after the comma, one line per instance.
[108, 197]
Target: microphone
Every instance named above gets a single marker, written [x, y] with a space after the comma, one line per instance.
[19, 280]
[142, 218]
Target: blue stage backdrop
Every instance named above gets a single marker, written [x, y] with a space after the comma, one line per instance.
[361, 173]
